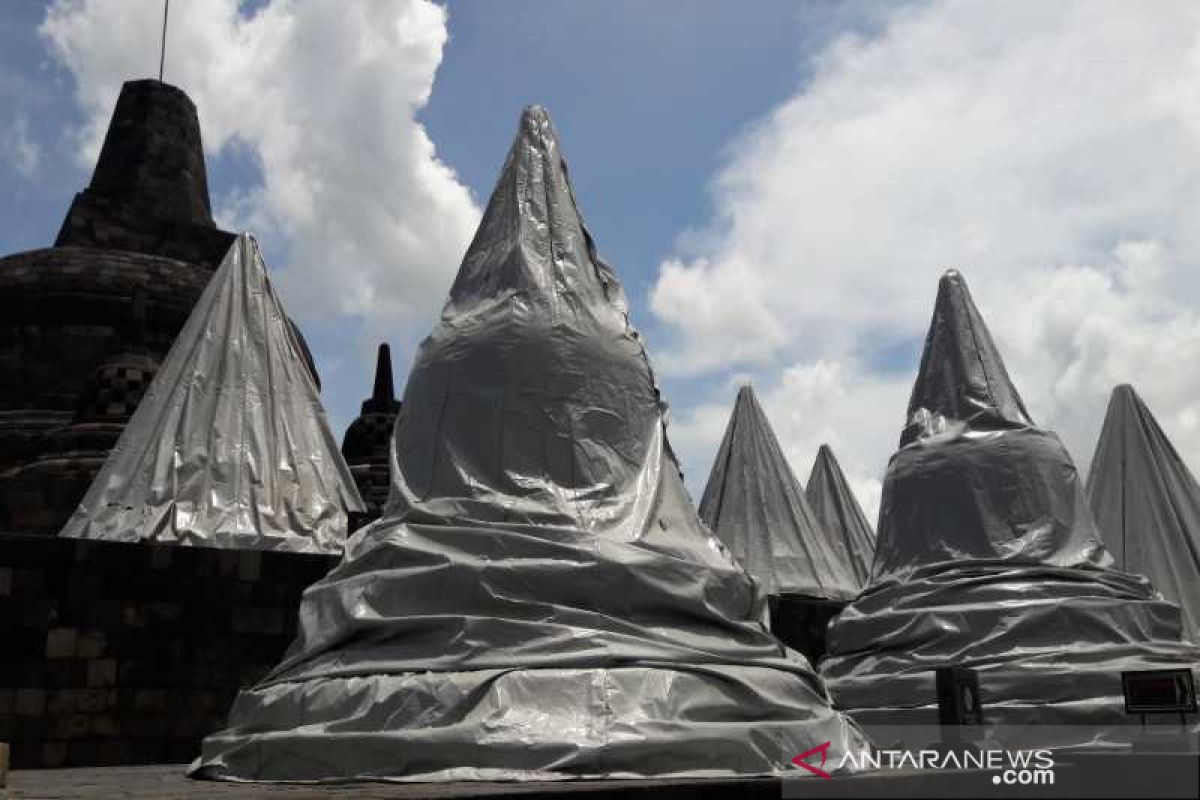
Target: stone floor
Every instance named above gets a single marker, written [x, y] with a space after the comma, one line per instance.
[169, 782]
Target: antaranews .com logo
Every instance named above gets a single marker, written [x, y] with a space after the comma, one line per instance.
[1009, 767]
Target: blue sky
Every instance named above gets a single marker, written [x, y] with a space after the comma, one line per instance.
[779, 184]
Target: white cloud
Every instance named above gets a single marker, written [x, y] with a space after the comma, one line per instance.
[1049, 150]
[323, 95]
[21, 152]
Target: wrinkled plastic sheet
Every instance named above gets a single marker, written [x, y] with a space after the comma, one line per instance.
[230, 446]
[755, 505]
[988, 558]
[540, 600]
[837, 510]
[1147, 504]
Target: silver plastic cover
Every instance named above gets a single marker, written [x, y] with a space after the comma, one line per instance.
[230, 446]
[755, 505]
[988, 557]
[1147, 504]
[540, 600]
[833, 503]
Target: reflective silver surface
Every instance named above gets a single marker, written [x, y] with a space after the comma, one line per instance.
[540, 600]
[988, 557]
[230, 446]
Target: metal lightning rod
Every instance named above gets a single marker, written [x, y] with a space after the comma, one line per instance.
[162, 53]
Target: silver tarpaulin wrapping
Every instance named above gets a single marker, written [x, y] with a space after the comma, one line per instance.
[230, 446]
[755, 505]
[539, 600]
[1147, 504]
[837, 510]
[988, 557]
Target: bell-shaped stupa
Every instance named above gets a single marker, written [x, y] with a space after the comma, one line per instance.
[229, 447]
[1147, 504]
[367, 443]
[755, 505]
[837, 510]
[540, 600]
[988, 558]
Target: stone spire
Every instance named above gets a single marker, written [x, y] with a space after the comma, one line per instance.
[365, 445]
[149, 191]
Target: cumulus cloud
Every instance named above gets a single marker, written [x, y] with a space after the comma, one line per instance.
[1050, 151]
[322, 97]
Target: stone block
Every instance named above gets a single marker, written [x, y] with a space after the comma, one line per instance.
[150, 700]
[60, 643]
[6, 581]
[30, 702]
[70, 726]
[90, 644]
[102, 672]
[3, 765]
[104, 726]
[249, 564]
[54, 754]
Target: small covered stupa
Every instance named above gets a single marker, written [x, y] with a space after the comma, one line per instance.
[230, 446]
[540, 600]
[988, 558]
[838, 511]
[755, 505]
[368, 440]
[1147, 504]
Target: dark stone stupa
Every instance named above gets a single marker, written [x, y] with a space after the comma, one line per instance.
[143, 227]
[369, 438]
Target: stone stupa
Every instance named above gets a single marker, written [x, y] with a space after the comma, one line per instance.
[1147, 504]
[540, 600]
[368, 441]
[833, 503]
[988, 558]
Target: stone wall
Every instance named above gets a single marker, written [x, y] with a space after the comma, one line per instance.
[801, 623]
[116, 653]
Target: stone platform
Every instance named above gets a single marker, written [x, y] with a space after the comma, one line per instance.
[168, 782]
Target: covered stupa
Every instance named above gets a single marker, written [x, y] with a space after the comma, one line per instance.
[832, 501]
[368, 440]
[540, 600]
[755, 505]
[1147, 504]
[988, 558]
[230, 446]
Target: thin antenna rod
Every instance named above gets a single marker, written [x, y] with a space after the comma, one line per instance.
[162, 53]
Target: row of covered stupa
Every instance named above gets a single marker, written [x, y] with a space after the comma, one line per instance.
[540, 599]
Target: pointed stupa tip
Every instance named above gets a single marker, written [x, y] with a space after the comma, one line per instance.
[385, 391]
[532, 239]
[962, 377]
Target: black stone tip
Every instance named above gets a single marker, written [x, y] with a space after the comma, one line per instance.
[385, 391]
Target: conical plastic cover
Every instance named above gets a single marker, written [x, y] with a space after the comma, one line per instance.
[988, 557]
[836, 509]
[1147, 504]
[540, 599]
[230, 446]
[755, 505]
